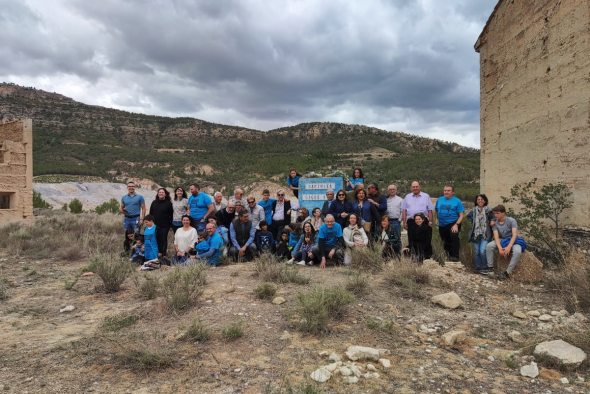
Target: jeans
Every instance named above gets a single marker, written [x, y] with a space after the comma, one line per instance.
[132, 223]
[198, 225]
[397, 225]
[450, 240]
[516, 253]
[480, 253]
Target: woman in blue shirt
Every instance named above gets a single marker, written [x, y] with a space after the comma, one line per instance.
[340, 208]
[293, 181]
[368, 215]
[357, 177]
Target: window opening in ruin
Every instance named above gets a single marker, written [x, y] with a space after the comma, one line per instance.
[5, 200]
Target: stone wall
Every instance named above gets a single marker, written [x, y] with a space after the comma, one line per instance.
[535, 99]
[16, 170]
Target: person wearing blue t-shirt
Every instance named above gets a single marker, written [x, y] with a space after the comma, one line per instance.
[449, 213]
[201, 207]
[149, 239]
[293, 181]
[357, 177]
[133, 207]
[215, 247]
[330, 242]
[266, 204]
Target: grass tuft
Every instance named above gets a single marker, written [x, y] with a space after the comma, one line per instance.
[268, 268]
[196, 332]
[266, 290]
[407, 276]
[321, 304]
[116, 323]
[147, 287]
[235, 330]
[358, 283]
[183, 286]
[368, 259]
[112, 270]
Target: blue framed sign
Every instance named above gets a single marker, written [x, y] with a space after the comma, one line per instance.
[312, 191]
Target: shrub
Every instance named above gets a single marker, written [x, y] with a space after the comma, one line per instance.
[407, 276]
[70, 283]
[319, 305]
[269, 269]
[235, 330]
[358, 283]
[64, 207]
[184, 285]
[3, 288]
[148, 287]
[111, 206]
[143, 358]
[75, 206]
[266, 290]
[572, 283]
[196, 332]
[116, 323]
[112, 270]
[369, 258]
[71, 253]
[39, 202]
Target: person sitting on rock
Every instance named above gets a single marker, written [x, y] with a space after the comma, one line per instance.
[241, 234]
[506, 240]
[330, 242]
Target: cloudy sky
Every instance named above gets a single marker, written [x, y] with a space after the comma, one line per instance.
[400, 65]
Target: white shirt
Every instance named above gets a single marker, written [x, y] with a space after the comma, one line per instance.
[185, 239]
[394, 207]
[279, 211]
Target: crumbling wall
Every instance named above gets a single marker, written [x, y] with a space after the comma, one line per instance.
[16, 170]
[535, 99]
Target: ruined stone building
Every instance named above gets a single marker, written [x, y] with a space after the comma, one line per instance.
[16, 170]
[535, 99]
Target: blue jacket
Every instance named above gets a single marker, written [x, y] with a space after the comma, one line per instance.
[337, 208]
[298, 246]
[293, 181]
[519, 241]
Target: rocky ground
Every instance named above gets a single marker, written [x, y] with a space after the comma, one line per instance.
[478, 347]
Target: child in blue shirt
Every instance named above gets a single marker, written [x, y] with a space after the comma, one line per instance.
[149, 236]
[202, 246]
[293, 181]
[138, 250]
[264, 239]
[294, 234]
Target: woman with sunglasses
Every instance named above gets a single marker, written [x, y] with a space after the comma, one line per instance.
[341, 208]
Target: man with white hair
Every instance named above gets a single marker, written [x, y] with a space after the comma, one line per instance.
[281, 213]
[327, 203]
[394, 211]
[218, 205]
[239, 196]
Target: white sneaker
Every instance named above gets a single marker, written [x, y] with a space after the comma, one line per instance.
[302, 262]
[289, 261]
[310, 263]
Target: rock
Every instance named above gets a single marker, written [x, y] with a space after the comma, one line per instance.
[385, 363]
[453, 337]
[545, 318]
[332, 367]
[555, 313]
[581, 379]
[534, 313]
[530, 371]
[516, 336]
[370, 375]
[371, 367]
[323, 354]
[545, 326]
[448, 300]
[279, 300]
[344, 371]
[564, 313]
[491, 358]
[564, 380]
[355, 370]
[88, 273]
[68, 308]
[321, 375]
[528, 270]
[286, 336]
[384, 352]
[562, 351]
[359, 352]
[578, 316]
[334, 357]
[351, 380]
[519, 314]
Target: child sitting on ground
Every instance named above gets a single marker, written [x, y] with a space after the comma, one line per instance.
[282, 247]
[264, 240]
[202, 246]
[294, 234]
[138, 250]
[304, 252]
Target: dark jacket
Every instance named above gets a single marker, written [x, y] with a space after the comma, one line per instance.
[286, 208]
[369, 214]
[162, 212]
[326, 209]
[381, 200]
[224, 218]
[421, 243]
[281, 249]
[337, 208]
[242, 236]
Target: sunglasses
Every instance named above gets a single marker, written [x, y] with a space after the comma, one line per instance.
[341, 195]
[251, 202]
[280, 195]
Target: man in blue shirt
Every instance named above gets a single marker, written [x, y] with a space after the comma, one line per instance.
[201, 207]
[449, 213]
[133, 207]
[241, 234]
[266, 204]
[215, 243]
[330, 242]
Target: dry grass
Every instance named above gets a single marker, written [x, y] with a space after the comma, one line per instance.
[112, 270]
[368, 259]
[196, 332]
[266, 290]
[358, 283]
[183, 286]
[321, 304]
[571, 282]
[268, 268]
[407, 276]
[147, 285]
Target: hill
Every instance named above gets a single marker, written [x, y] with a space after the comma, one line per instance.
[78, 139]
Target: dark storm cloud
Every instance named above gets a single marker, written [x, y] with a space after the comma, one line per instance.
[261, 61]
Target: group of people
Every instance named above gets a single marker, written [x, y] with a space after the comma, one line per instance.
[205, 228]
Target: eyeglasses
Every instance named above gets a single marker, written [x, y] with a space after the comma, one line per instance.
[231, 207]
[280, 195]
[251, 202]
[341, 195]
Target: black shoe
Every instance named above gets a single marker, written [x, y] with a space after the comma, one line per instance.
[504, 276]
[455, 260]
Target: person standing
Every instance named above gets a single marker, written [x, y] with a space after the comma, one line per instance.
[256, 212]
[376, 198]
[238, 197]
[482, 220]
[414, 203]
[449, 215]
[180, 207]
[293, 181]
[133, 207]
[281, 213]
[218, 205]
[163, 212]
[200, 207]
[266, 204]
[357, 177]
[340, 208]
[394, 211]
[226, 215]
[327, 203]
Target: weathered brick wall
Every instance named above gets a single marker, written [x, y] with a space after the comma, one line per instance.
[535, 99]
[16, 169]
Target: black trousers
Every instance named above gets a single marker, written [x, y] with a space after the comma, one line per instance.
[276, 227]
[450, 240]
[249, 255]
[162, 239]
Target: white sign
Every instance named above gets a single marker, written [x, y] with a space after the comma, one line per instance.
[320, 186]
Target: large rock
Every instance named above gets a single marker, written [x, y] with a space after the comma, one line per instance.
[453, 337]
[528, 270]
[448, 300]
[562, 351]
[321, 375]
[360, 352]
[531, 371]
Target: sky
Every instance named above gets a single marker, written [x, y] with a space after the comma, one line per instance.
[399, 65]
